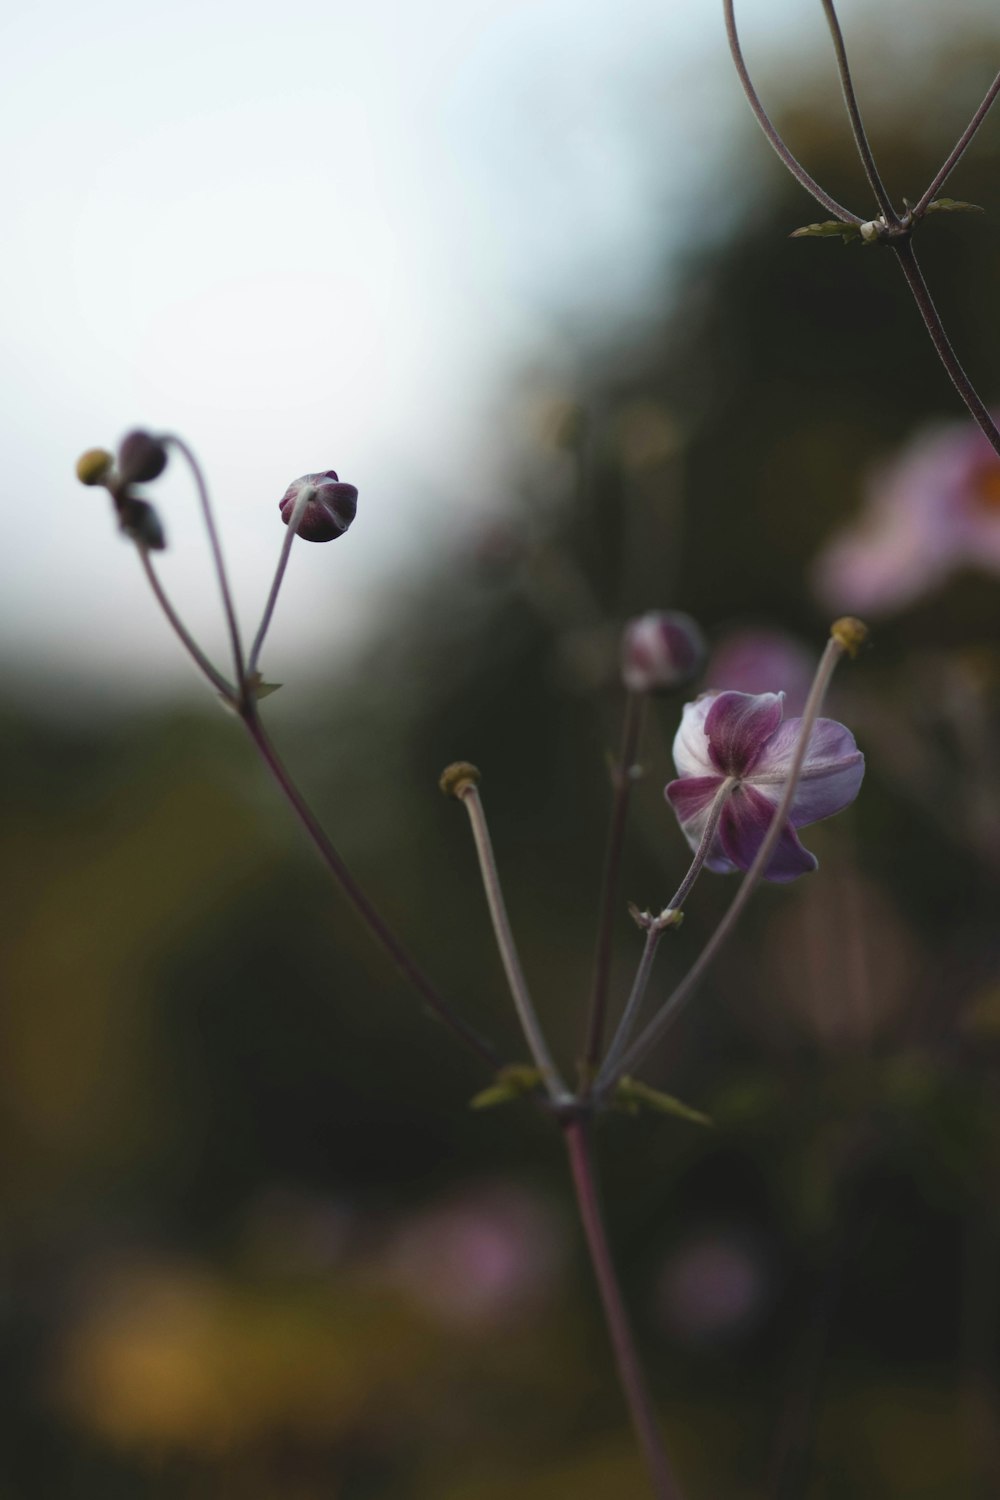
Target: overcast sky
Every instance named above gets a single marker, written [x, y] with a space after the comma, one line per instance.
[310, 235]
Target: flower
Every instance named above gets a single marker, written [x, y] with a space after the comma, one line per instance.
[742, 738]
[487, 1255]
[758, 660]
[936, 509]
[660, 650]
[329, 509]
[141, 458]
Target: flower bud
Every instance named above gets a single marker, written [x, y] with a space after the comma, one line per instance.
[329, 509]
[141, 458]
[94, 466]
[458, 777]
[139, 520]
[661, 650]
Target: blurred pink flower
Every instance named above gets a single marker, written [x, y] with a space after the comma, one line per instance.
[762, 661]
[933, 511]
[484, 1256]
[714, 1288]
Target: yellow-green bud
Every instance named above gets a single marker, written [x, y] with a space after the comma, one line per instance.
[94, 466]
[850, 634]
[458, 777]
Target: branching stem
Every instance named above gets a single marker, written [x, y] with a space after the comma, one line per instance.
[794, 166]
[854, 114]
[213, 538]
[657, 926]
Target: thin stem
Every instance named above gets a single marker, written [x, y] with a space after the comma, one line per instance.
[648, 1038]
[190, 645]
[362, 905]
[216, 546]
[303, 498]
[469, 796]
[630, 1371]
[624, 775]
[904, 253]
[854, 114]
[958, 150]
[640, 984]
[657, 927]
[794, 166]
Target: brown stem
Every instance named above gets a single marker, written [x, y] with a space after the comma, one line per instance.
[624, 774]
[854, 115]
[903, 250]
[362, 905]
[794, 166]
[630, 1372]
[958, 150]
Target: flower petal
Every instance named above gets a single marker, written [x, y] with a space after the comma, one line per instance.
[745, 820]
[831, 772]
[738, 726]
[691, 800]
[691, 753]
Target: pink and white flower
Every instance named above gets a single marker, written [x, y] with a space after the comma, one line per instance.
[742, 739]
[933, 511]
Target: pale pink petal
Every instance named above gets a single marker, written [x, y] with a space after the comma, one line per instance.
[831, 773]
[691, 753]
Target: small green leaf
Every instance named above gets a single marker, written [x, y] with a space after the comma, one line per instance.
[952, 206]
[260, 688]
[631, 1096]
[829, 229]
[512, 1082]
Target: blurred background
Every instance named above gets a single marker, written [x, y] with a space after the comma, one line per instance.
[521, 273]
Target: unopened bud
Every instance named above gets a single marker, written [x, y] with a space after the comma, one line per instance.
[141, 458]
[329, 509]
[94, 466]
[661, 650]
[139, 520]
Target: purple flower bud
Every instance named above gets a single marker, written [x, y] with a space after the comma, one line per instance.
[660, 650]
[329, 508]
[141, 458]
[139, 520]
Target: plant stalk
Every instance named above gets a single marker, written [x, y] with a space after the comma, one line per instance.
[633, 1381]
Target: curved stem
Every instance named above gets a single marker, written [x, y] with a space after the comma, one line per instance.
[648, 1038]
[794, 166]
[904, 253]
[216, 546]
[630, 1371]
[187, 640]
[854, 114]
[657, 926]
[542, 1057]
[624, 774]
[362, 905]
[298, 511]
[958, 150]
